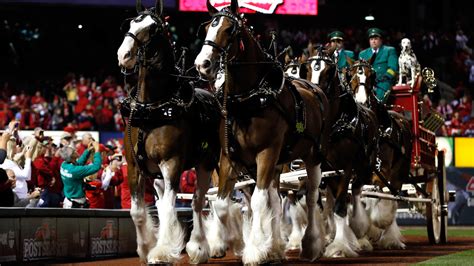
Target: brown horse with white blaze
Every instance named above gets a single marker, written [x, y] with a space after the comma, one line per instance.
[268, 120]
[351, 148]
[394, 154]
[171, 127]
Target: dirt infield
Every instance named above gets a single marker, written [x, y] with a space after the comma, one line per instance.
[418, 249]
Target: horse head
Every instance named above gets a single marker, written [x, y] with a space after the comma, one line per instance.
[321, 68]
[362, 80]
[145, 29]
[223, 39]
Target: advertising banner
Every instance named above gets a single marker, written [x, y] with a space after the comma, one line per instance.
[282, 7]
[464, 152]
[38, 238]
[72, 237]
[103, 237]
[9, 237]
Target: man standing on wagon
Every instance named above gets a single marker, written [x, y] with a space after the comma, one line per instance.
[385, 63]
[340, 55]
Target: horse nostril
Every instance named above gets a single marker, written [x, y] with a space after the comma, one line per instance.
[206, 63]
[128, 55]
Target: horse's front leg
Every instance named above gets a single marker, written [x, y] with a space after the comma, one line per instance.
[198, 247]
[171, 234]
[264, 241]
[219, 235]
[145, 228]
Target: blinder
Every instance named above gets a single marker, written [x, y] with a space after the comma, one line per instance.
[235, 30]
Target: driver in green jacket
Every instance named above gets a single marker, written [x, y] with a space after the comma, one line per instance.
[385, 63]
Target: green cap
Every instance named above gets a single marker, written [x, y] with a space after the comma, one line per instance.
[336, 35]
[374, 32]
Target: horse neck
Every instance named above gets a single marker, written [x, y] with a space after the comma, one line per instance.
[245, 77]
[155, 82]
[333, 93]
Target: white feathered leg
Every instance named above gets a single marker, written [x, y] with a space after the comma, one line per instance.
[299, 222]
[391, 238]
[258, 243]
[328, 214]
[345, 243]
[144, 226]
[359, 221]
[313, 241]
[277, 252]
[198, 247]
[171, 234]
[217, 235]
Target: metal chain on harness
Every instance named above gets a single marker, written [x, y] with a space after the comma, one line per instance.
[224, 105]
[129, 128]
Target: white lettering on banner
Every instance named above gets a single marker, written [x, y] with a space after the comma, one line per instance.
[470, 185]
[103, 246]
[33, 249]
[264, 6]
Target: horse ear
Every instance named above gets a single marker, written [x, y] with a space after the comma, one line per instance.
[139, 6]
[234, 6]
[159, 7]
[372, 59]
[287, 59]
[310, 48]
[212, 10]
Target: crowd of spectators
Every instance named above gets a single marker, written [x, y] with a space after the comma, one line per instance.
[70, 172]
[80, 104]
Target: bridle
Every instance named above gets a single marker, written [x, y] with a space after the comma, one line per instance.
[157, 27]
[360, 70]
[236, 30]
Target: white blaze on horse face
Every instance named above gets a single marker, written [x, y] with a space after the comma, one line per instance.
[361, 96]
[204, 61]
[126, 53]
[293, 72]
[315, 76]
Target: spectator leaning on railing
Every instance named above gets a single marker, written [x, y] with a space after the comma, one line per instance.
[73, 171]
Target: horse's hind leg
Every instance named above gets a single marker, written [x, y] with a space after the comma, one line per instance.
[144, 226]
[359, 220]
[314, 237]
[345, 242]
[198, 247]
[278, 246]
[171, 234]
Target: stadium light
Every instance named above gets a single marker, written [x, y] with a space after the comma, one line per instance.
[369, 17]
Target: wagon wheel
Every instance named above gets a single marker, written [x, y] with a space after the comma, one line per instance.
[437, 211]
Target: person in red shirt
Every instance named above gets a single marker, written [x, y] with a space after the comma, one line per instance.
[187, 184]
[37, 99]
[49, 181]
[465, 108]
[101, 191]
[5, 115]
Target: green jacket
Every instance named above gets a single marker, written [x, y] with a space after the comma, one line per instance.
[342, 60]
[73, 174]
[386, 68]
